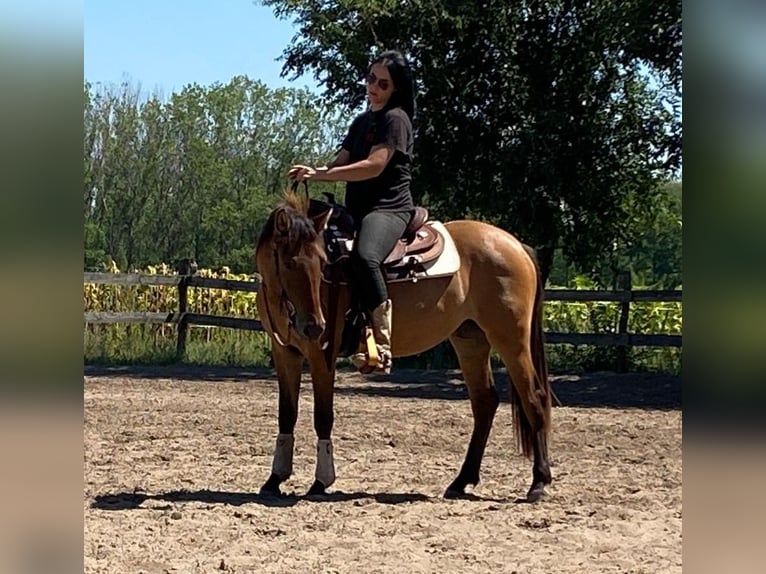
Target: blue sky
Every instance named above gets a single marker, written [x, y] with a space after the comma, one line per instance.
[163, 45]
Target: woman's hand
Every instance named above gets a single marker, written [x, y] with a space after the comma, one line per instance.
[305, 172]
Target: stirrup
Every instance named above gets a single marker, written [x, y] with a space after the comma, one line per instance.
[372, 358]
[366, 359]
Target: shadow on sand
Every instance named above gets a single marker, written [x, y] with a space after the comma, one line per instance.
[135, 500]
[604, 389]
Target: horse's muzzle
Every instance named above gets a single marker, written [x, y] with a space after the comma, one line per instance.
[312, 329]
[304, 325]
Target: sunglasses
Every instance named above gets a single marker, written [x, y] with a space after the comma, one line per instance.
[382, 83]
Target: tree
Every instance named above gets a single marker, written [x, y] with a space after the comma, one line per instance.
[654, 256]
[550, 118]
[194, 175]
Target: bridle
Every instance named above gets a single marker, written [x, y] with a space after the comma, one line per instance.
[284, 301]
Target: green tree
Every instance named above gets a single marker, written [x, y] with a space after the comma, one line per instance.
[196, 174]
[550, 118]
[651, 253]
[653, 256]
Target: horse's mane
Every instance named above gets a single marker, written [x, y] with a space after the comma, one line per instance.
[298, 202]
[301, 228]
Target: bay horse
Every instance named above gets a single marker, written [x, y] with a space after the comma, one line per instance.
[494, 301]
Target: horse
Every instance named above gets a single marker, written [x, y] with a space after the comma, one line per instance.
[493, 301]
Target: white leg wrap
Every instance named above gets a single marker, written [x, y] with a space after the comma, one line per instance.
[282, 465]
[325, 464]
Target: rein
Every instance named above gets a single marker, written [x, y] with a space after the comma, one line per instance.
[283, 296]
[333, 303]
[294, 187]
[277, 337]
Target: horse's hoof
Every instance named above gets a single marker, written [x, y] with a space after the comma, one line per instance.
[454, 491]
[316, 488]
[536, 492]
[271, 486]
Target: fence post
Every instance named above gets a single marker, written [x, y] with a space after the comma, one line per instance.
[623, 284]
[185, 269]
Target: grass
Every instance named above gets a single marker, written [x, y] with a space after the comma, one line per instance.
[156, 345]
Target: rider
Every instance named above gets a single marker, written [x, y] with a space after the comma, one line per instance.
[375, 160]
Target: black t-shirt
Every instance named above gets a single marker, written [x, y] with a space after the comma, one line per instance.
[390, 191]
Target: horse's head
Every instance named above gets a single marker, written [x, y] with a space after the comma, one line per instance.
[290, 256]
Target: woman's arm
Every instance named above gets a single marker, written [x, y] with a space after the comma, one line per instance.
[341, 159]
[368, 168]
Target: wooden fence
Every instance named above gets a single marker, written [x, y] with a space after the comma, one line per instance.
[183, 317]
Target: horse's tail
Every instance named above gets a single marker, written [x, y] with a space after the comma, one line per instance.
[543, 392]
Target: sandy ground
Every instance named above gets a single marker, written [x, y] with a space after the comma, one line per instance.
[174, 459]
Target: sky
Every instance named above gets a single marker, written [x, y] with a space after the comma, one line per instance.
[163, 45]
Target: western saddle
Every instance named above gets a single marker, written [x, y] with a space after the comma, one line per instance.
[419, 244]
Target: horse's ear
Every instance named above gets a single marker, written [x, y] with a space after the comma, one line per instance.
[320, 221]
[282, 222]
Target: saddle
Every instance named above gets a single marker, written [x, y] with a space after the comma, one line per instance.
[416, 254]
[419, 245]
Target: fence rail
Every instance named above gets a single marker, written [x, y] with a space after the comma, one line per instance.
[183, 317]
[628, 295]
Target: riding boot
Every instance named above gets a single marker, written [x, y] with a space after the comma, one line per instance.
[381, 329]
[381, 332]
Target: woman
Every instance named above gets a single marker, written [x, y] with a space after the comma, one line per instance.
[375, 160]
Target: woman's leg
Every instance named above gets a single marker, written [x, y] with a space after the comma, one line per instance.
[378, 233]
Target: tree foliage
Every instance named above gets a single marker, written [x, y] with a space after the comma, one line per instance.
[651, 256]
[556, 119]
[194, 175]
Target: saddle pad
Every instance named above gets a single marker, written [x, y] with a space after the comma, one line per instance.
[446, 264]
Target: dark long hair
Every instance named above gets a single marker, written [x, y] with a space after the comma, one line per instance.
[401, 74]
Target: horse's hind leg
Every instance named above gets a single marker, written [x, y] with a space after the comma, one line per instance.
[473, 349]
[288, 364]
[531, 410]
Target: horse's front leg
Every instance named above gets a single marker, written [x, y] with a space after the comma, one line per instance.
[288, 363]
[323, 382]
